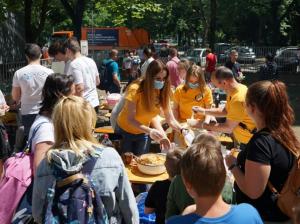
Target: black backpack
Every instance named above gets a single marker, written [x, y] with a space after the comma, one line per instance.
[5, 149]
[105, 78]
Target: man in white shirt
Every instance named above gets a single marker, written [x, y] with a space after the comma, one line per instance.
[28, 83]
[58, 52]
[149, 59]
[85, 73]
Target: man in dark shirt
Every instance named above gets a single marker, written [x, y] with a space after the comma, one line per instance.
[268, 71]
[234, 66]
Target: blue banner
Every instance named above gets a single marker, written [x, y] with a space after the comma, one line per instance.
[103, 37]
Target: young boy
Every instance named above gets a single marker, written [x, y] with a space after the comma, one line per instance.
[157, 196]
[203, 173]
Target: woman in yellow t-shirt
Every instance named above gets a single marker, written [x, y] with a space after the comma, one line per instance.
[144, 99]
[194, 92]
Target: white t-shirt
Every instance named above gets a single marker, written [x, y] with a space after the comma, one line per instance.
[31, 80]
[145, 65]
[67, 66]
[84, 70]
[45, 132]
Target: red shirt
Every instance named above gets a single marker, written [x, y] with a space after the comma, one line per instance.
[211, 61]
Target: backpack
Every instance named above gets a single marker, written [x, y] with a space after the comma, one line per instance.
[105, 78]
[74, 200]
[16, 180]
[289, 196]
[5, 149]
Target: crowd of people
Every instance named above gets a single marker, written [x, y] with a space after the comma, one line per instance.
[76, 179]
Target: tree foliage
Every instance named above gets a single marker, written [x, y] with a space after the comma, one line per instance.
[198, 22]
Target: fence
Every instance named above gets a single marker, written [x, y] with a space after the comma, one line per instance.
[287, 59]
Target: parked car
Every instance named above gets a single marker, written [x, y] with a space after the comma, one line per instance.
[197, 55]
[220, 48]
[246, 54]
[288, 59]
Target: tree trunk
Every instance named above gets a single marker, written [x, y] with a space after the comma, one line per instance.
[76, 15]
[204, 23]
[27, 20]
[213, 18]
[275, 24]
[180, 42]
[33, 31]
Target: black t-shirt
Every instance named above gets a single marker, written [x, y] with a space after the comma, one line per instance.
[157, 199]
[263, 148]
[234, 67]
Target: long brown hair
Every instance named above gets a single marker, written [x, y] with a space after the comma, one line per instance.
[147, 85]
[195, 70]
[271, 100]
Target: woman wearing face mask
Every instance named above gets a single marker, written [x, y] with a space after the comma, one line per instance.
[144, 99]
[194, 92]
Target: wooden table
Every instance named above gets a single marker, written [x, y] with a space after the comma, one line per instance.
[105, 130]
[135, 176]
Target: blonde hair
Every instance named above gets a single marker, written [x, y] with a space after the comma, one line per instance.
[196, 71]
[74, 120]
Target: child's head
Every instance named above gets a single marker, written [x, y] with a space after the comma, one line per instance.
[202, 168]
[173, 162]
[198, 138]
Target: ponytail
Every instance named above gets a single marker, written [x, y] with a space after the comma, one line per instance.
[271, 100]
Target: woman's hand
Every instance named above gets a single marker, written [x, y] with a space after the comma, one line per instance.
[165, 144]
[199, 110]
[3, 109]
[193, 123]
[230, 160]
[156, 135]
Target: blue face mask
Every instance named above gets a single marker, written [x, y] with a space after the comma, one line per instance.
[158, 84]
[193, 85]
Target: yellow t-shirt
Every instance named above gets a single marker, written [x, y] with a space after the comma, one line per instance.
[192, 97]
[236, 111]
[143, 115]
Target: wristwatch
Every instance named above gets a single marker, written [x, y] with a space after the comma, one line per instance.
[232, 166]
